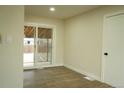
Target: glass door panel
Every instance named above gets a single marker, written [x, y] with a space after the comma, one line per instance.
[44, 45]
[28, 54]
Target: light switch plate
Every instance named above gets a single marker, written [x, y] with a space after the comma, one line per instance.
[8, 39]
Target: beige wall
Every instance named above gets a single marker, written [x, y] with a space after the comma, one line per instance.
[59, 24]
[83, 41]
[79, 45]
[11, 25]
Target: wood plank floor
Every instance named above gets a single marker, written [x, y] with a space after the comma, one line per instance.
[58, 77]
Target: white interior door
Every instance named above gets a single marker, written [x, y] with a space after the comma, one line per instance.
[113, 50]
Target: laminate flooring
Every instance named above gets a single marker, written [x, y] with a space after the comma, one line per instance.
[58, 77]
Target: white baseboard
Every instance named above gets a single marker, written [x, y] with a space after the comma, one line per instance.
[52, 65]
[83, 72]
[32, 67]
[43, 66]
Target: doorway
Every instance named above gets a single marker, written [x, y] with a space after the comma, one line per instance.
[38, 42]
[113, 50]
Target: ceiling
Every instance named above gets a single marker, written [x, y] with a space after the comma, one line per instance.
[61, 12]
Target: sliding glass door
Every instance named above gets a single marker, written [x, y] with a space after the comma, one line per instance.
[37, 45]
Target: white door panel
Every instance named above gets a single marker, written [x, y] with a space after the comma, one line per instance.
[113, 44]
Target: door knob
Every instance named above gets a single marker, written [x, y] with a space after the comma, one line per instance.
[105, 53]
